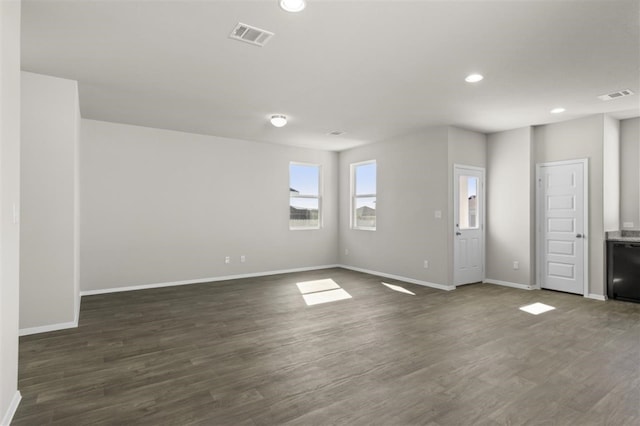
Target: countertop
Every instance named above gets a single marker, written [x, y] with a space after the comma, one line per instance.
[626, 235]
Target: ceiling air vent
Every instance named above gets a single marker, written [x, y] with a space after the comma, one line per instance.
[615, 95]
[336, 133]
[249, 34]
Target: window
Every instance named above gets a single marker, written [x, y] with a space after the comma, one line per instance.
[305, 199]
[363, 195]
[468, 207]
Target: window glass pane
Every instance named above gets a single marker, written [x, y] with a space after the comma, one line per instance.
[304, 180]
[304, 196]
[365, 214]
[468, 202]
[303, 213]
[365, 179]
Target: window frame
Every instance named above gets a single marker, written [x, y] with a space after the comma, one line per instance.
[466, 208]
[310, 197]
[353, 196]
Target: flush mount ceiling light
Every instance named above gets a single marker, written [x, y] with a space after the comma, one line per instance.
[557, 110]
[292, 5]
[473, 78]
[278, 120]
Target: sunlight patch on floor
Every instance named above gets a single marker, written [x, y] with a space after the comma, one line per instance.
[398, 289]
[317, 285]
[325, 296]
[537, 308]
[321, 291]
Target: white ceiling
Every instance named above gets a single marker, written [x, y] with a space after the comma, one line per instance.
[373, 69]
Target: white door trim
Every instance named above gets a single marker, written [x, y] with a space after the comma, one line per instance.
[456, 202]
[539, 215]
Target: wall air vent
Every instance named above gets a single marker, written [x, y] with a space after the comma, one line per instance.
[615, 95]
[249, 34]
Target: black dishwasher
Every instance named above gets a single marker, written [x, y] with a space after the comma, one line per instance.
[624, 271]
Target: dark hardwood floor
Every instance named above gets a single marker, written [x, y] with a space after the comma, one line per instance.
[250, 352]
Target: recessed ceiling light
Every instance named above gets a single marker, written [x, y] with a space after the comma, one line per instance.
[473, 78]
[278, 120]
[557, 110]
[292, 5]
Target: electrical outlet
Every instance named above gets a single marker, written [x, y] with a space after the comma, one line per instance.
[346, 252]
[426, 264]
[516, 264]
[243, 258]
[438, 214]
[227, 259]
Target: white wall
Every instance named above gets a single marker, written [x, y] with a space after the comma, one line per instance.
[611, 174]
[9, 199]
[509, 207]
[630, 172]
[576, 139]
[48, 249]
[467, 148]
[414, 181]
[161, 206]
[411, 176]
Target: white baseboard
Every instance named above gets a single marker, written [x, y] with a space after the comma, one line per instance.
[399, 278]
[74, 324]
[8, 416]
[596, 297]
[47, 328]
[55, 327]
[203, 280]
[509, 284]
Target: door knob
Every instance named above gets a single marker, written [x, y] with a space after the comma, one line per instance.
[458, 233]
[579, 236]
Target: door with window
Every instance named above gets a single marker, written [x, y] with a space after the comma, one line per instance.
[562, 244]
[468, 232]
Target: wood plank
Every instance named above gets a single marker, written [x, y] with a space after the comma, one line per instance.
[250, 352]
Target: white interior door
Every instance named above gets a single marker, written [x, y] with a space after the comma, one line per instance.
[468, 240]
[562, 242]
